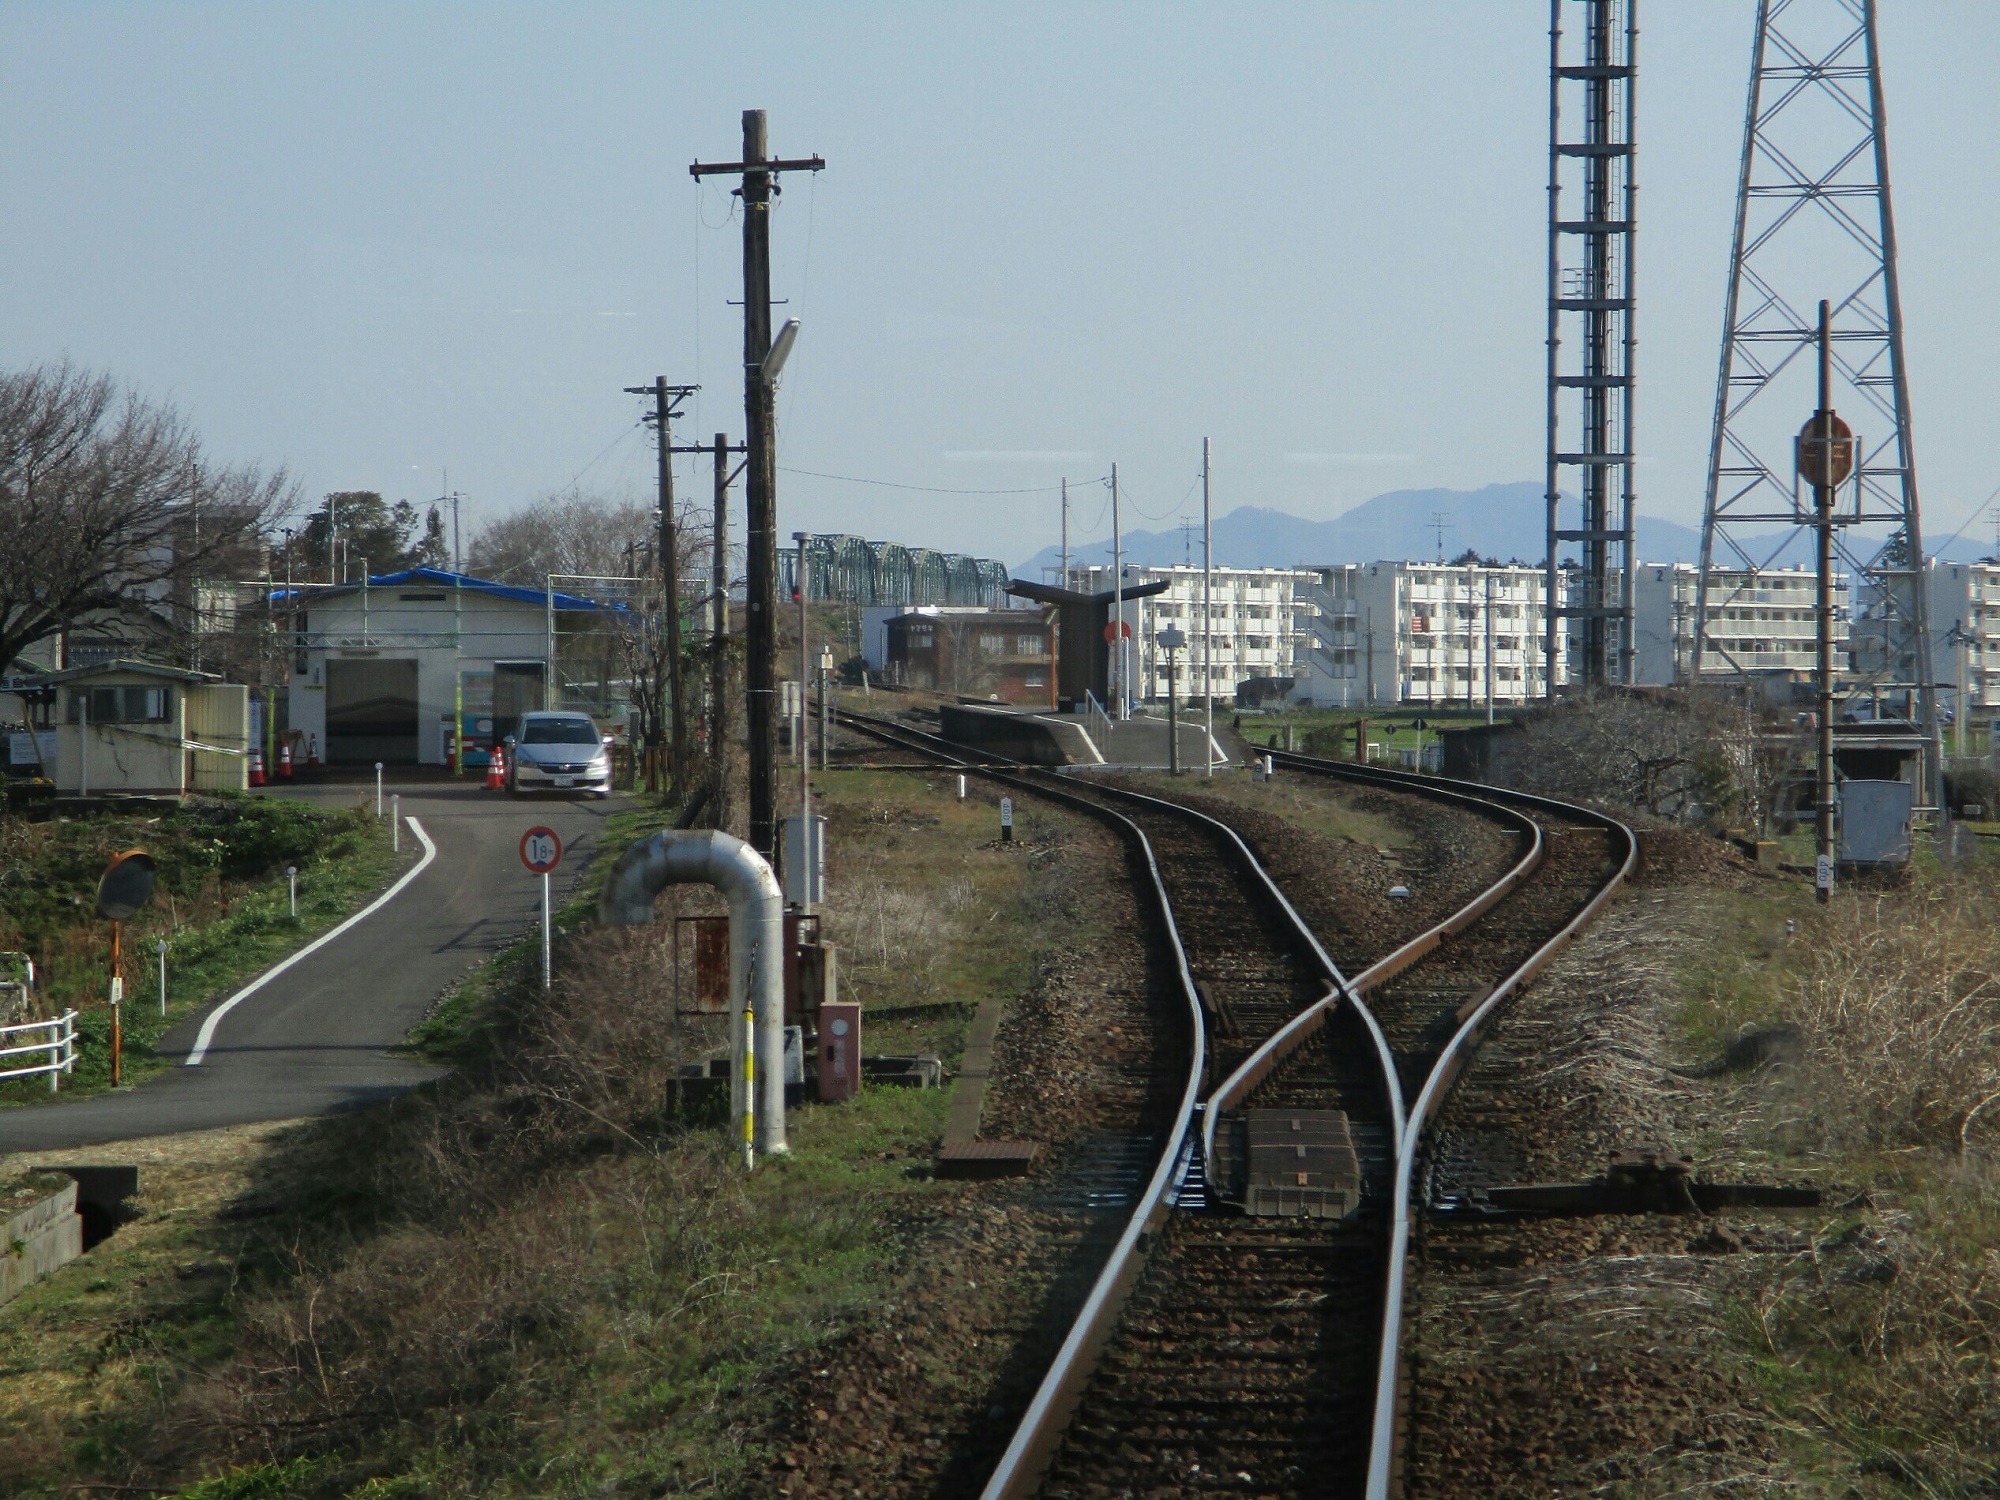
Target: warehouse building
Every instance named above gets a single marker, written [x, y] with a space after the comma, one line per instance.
[383, 669]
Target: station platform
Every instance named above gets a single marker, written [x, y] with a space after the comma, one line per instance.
[1083, 739]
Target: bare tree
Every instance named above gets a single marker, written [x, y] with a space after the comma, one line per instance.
[108, 510]
[1618, 748]
[574, 533]
[1710, 756]
[592, 537]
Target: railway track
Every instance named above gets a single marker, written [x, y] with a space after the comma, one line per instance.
[1260, 1352]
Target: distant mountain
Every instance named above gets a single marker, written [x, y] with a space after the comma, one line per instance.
[1501, 520]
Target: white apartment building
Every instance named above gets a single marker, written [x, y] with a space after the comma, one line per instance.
[1412, 632]
[1261, 626]
[1760, 621]
[1965, 631]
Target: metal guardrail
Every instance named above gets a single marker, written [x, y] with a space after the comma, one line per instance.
[1093, 711]
[60, 1045]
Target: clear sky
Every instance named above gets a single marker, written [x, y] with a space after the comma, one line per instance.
[373, 241]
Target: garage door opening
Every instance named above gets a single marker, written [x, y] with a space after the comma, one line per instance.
[371, 713]
[517, 689]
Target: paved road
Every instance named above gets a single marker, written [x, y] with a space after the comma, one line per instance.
[316, 1039]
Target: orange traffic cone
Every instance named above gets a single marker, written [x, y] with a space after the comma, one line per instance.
[496, 770]
[285, 761]
[312, 753]
[256, 767]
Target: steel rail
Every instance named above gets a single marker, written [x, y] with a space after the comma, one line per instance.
[1259, 1065]
[1028, 1455]
[1047, 1417]
[1386, 1438]
[1055, 1400]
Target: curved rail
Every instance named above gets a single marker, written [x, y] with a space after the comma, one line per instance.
[1259, 1065]
[1386, 1440]
[1042, 1425]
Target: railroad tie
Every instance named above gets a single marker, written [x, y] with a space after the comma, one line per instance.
[962, 1154]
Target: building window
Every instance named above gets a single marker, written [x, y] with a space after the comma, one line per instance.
[1034, 679]
[123, 705]
[992, 642]
[1028, 645]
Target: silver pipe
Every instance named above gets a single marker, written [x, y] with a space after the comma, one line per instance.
[756, 945]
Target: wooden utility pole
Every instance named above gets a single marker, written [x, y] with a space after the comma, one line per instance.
[1826, 454]
[760, 485]
[718, 665]
[667, 401]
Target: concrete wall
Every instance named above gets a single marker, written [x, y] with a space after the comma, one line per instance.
[138, 757]
[38, 1239]
[1016, 736]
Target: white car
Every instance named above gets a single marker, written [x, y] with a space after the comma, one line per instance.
[553, 751]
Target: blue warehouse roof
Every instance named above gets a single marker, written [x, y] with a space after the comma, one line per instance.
[440, 578]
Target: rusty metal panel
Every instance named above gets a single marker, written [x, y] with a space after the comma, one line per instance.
[839, 1051]
[711, 966]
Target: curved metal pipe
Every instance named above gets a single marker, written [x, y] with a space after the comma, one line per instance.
[756, 949]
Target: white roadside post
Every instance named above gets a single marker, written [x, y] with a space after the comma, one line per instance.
[161, 948]
[1006, 820]
[292, 881]
[541, 852]
[378, 788]
[395, 823]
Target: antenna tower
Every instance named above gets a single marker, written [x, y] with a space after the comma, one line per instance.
[1593, 221]
[1813, 220]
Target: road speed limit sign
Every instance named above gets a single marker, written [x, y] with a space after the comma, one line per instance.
[541, 849]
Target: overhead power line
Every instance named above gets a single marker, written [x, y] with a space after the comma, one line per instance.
[924, 489]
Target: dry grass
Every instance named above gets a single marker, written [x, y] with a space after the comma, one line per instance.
[1320, 806]
[1880, 1345]
[1898, 996]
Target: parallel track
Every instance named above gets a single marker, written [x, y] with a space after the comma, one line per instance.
[1254, 964]
[1240, 1365]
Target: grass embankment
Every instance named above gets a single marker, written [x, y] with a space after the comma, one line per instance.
[1883, 1358]
[1325, 809]
[530, 1279]
[220, 902]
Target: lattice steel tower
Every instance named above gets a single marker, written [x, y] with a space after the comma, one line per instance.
[1813, 221]
[1593, 222]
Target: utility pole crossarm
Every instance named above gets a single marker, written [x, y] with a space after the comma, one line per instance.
[776, 164]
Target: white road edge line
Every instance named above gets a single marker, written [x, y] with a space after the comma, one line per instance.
[207, 1036]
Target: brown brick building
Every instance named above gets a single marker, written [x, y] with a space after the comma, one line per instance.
[1003, 654]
